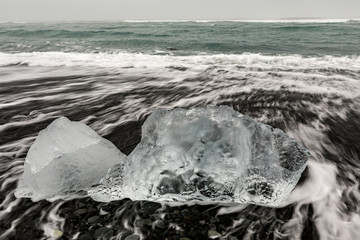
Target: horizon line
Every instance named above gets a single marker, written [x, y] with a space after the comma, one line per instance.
[278, 20]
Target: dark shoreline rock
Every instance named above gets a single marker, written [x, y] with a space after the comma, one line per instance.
[126, 219]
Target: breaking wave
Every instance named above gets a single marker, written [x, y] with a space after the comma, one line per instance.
[140, 60]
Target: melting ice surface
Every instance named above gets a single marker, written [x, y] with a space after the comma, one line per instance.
[66, 157]
[207, 154]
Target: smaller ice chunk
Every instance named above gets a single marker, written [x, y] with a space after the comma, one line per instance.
[66, 157]
[211, 154]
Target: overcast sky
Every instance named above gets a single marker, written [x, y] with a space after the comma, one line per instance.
[112, 10]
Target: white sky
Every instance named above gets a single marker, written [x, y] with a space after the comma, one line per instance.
[112, 10]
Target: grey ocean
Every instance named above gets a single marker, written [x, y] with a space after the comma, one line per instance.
[300, 76]
[189, 38]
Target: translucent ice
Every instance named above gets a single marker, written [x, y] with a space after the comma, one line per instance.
[207, 154]
[66, 157]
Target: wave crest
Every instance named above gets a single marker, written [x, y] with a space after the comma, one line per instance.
[126, 60]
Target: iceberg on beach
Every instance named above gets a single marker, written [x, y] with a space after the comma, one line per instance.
[211, 154]
[66, 157]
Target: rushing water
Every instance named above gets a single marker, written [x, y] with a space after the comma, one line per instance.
[301, 77]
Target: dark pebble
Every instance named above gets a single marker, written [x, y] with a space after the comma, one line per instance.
[156, 216]
[143, 222]
[160, 224]
[214, 220]
[85, 236]
[150, 207]
[70, 215]
[82, 204]
[81, 211]
[93, 219]
[103, 233]
[212, 226]
[133, 237]
[125, 233]
[84, 227]
[92, 210]
[107, 208]
[64, 211]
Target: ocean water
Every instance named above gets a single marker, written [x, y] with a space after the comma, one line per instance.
[299, 76]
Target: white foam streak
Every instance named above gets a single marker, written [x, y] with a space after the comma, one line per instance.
[319, 185]
[323, 190]
[141, 61]
[232, 209]
[54, 223]
[5, 235]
